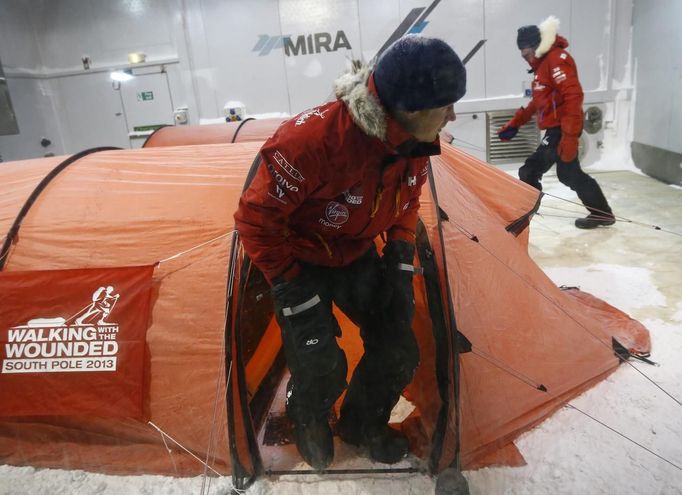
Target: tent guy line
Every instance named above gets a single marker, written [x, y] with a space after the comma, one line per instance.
[468, 144]
[475, 238]
[556, 216]
[164, 434]
[517, 374]
[566, 404]
[618, 218]
[511, 371]
[205, 476]
[211, 448]
[170, 454]
[562, 309]
[193, 248]
[571, 406]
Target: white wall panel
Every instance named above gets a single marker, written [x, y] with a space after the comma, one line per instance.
[674, 137]
[310, 76]
[378, 19]
[105, 30]
[231, 69]
[192, 54]
[656, 41]
[589, 32]
[181, 89]
[621, 47]
[90, 110]
[213, 42]
[506, 71]
[32, 100]
[18, 43]
[469, 131]
[460, 23]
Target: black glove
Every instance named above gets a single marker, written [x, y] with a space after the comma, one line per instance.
[397, 295]
[301, 303]
[294, 296]
[507, 133]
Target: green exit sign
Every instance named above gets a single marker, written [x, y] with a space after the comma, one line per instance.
[145, 96]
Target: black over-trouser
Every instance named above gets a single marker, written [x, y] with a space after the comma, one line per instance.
[569, 173]
[318, 365]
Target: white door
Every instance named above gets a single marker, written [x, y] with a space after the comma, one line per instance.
[147, 105]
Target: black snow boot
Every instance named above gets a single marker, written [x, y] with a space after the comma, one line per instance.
[594, 220]
[452, 482]
[383, 443]
[387, 445]
[315, 442]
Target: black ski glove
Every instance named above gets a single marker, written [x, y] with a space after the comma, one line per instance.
[309, 331]
[397, 296]
[297, 295]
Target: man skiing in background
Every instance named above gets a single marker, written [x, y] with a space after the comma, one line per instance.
[557, 100]
[330, 181]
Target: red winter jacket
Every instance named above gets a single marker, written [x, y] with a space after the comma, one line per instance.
[331, 179]
[557, 94]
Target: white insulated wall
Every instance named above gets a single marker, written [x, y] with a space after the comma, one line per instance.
[657, 38]
[32, 98]
[209, 47]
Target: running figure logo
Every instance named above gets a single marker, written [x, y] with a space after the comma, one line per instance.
[103, 301]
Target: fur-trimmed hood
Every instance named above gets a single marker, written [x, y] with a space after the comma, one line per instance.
[364, 107]
[549, 37]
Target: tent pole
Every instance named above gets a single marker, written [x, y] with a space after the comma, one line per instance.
[450, 481]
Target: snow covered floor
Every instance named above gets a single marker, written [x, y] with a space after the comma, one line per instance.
[636, 269]
[631, 266]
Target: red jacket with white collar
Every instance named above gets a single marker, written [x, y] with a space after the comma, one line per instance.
[330, 180]
[557, 94]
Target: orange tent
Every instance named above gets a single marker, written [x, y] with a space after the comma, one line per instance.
[502, 347]
[230, 132]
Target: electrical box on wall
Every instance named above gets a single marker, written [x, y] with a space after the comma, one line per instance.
[527, 87]
[592, 138]
[181, 115]
[234, 111]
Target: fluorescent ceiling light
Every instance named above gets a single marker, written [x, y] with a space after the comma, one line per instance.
[136, 58]
[121, 76]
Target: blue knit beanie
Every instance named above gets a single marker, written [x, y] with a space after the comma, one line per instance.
[528, 37]
[419, 73]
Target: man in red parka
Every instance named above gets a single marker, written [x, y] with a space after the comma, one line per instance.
[557, 101]
[329, 181]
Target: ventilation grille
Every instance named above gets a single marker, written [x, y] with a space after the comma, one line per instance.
[516, 150]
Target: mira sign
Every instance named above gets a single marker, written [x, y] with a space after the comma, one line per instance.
[303, 44]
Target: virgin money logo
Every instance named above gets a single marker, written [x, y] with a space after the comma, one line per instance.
[336, 213]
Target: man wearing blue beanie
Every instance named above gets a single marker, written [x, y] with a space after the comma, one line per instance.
[557, 101]
[330, 181]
